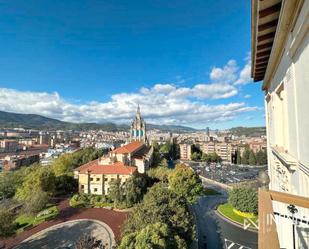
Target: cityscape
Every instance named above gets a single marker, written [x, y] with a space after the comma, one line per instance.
[128, 164]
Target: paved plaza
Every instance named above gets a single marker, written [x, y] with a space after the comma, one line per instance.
[66, 234]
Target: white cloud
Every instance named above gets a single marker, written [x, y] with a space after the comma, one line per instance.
[161, 104]
[247, 96]
[245, 73]
[226, 74]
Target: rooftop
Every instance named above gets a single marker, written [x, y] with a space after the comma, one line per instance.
[116, 168]
[129, 148]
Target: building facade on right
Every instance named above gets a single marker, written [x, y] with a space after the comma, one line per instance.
[280, 58]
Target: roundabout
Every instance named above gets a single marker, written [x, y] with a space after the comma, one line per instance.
[66, 234]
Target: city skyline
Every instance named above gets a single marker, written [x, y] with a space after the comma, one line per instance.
[98, 69]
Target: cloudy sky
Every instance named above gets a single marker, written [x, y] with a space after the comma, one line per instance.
[184, 62]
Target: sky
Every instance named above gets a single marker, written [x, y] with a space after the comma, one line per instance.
[184, 62]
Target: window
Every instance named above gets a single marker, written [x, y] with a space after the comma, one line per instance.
[98, 179]
[82, 186]
[95, 190]
[106, 179]
[91, 179]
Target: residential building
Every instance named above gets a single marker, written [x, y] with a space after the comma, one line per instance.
[280, 57]
[15, 162]
[185, 151]
[223, 149]
[9, 145]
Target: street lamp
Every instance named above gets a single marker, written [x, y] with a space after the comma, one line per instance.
[293, 210]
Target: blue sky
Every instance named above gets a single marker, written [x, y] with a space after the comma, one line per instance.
[184, 62]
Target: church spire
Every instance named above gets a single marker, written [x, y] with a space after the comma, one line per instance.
[138, 110]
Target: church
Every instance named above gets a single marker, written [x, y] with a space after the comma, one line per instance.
[136, 156]
[138, 128]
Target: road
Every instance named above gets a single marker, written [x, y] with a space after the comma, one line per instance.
[216, 233]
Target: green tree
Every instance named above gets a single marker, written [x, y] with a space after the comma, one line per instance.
[115, 191]
[184, 182]
[195, 156]
[159, 173]
[134, 189]
[164, 163]
[261, 157]
[7, 225]
[157, 235]
[245, 156]
[244, 199]
[38, 179]
[162, 205]
[238, 157]
[252, 160]
[36, 202]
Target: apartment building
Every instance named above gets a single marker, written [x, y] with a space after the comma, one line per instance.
[280, 57]
[185, 151]
[224, 150]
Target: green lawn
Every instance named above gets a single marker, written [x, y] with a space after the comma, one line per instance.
[227, 211]
[24, 221]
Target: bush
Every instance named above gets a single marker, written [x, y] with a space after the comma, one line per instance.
[244, 199]
[80, 200]
[7, 225]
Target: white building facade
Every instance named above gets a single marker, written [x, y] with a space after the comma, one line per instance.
[284, 68]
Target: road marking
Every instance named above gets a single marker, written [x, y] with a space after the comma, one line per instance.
[232, 245]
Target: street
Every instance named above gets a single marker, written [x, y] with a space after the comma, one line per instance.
[216, 233]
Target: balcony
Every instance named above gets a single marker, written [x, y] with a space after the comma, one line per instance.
[267, 227]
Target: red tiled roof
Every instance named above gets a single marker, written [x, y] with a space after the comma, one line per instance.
[129, 148]
[117, 168]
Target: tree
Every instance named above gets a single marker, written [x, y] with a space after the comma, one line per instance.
[214, 157]
[195, 156]
[252, 160]
[38, 179]
[89, 242]
[238, 157]
[65, 184]
[7, 225]
[261, 157]
[115, 192]
[164, 163]
[244, 199]
[161, 205]
[36, 202]
[134, 189]
[157, 235]
[185, 182]
[245, 156]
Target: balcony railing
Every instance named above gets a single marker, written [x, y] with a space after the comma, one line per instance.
[268, 235]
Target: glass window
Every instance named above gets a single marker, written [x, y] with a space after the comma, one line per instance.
[95, 189]
[91, 179]
[137, 133]
[98, 179]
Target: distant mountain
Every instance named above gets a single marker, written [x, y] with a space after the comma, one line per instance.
[249, 131]
[34, 121]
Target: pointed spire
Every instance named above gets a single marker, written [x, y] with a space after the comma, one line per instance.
[138, 110]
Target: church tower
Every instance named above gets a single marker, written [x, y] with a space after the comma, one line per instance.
[138, 128]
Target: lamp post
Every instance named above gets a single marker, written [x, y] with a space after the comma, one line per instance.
[263, 180]
[293, 210]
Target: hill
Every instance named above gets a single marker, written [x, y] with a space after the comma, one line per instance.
[34, 121]
[249, 131]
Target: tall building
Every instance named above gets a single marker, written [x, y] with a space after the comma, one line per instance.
[280, 57]
[185, 151]
[138, 128]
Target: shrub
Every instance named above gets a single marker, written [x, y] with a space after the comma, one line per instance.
[244, 199]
